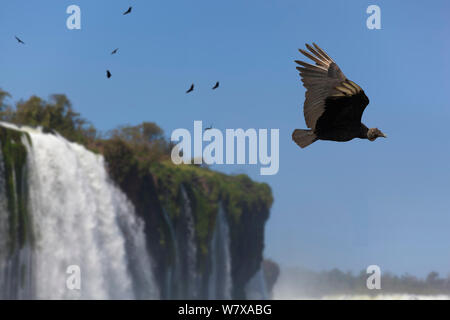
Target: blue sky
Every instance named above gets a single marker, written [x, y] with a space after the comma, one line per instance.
[345, 205]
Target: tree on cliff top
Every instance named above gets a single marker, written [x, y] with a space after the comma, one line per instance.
[55, 114]
[146, 139]
[145, 133]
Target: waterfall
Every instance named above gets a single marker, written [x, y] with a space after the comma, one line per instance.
[220, 277]
[183, 280]
[190, 249]
[173, 277]
[79, 218]
[15, 239]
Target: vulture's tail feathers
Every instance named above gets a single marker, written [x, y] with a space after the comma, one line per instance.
[303, 137]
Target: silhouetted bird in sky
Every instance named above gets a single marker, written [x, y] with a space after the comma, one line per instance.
[333, 106]
[128, 11]
[108, 74]
[19, 40]
[191, 88]
[115, 51]
[216, 85]
[209, 128]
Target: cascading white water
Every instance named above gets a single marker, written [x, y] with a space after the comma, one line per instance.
[173, 276]
[220, 276]
[193, 280]
[80, 218]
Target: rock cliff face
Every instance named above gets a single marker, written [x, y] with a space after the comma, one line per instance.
[16, 234]
[204, 230]
[180, 205]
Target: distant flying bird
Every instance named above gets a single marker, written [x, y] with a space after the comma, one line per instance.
[128, 11]
[334, 105]
[115, 51]
[216, 85]
[108, 74]
[19, 40]
[209, 128]
[191, 88]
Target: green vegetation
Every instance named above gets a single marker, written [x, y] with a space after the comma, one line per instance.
[138, 154]
[14, 156]
[55, 114]
[207, 189]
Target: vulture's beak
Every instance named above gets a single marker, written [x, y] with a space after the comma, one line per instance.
[384, 135]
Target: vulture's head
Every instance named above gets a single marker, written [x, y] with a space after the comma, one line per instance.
[375, 133]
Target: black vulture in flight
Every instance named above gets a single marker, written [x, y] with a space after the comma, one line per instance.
[19, 40]
[108, 74]
[216, 85]
[128, 11]
[333, 106]
[191, 88]
[115, 51]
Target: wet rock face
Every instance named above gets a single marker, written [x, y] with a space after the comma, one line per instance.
[183, 268]
[180, 207]
[271, 273]
[16, 236]
[197, 250]
[247, 248]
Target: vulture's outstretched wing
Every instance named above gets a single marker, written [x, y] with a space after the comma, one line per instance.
[329, 94]
[343, 109]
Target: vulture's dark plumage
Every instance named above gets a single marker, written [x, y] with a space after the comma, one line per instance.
[191, 88]
[19, 40]
[334, 105]
[128, 11]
